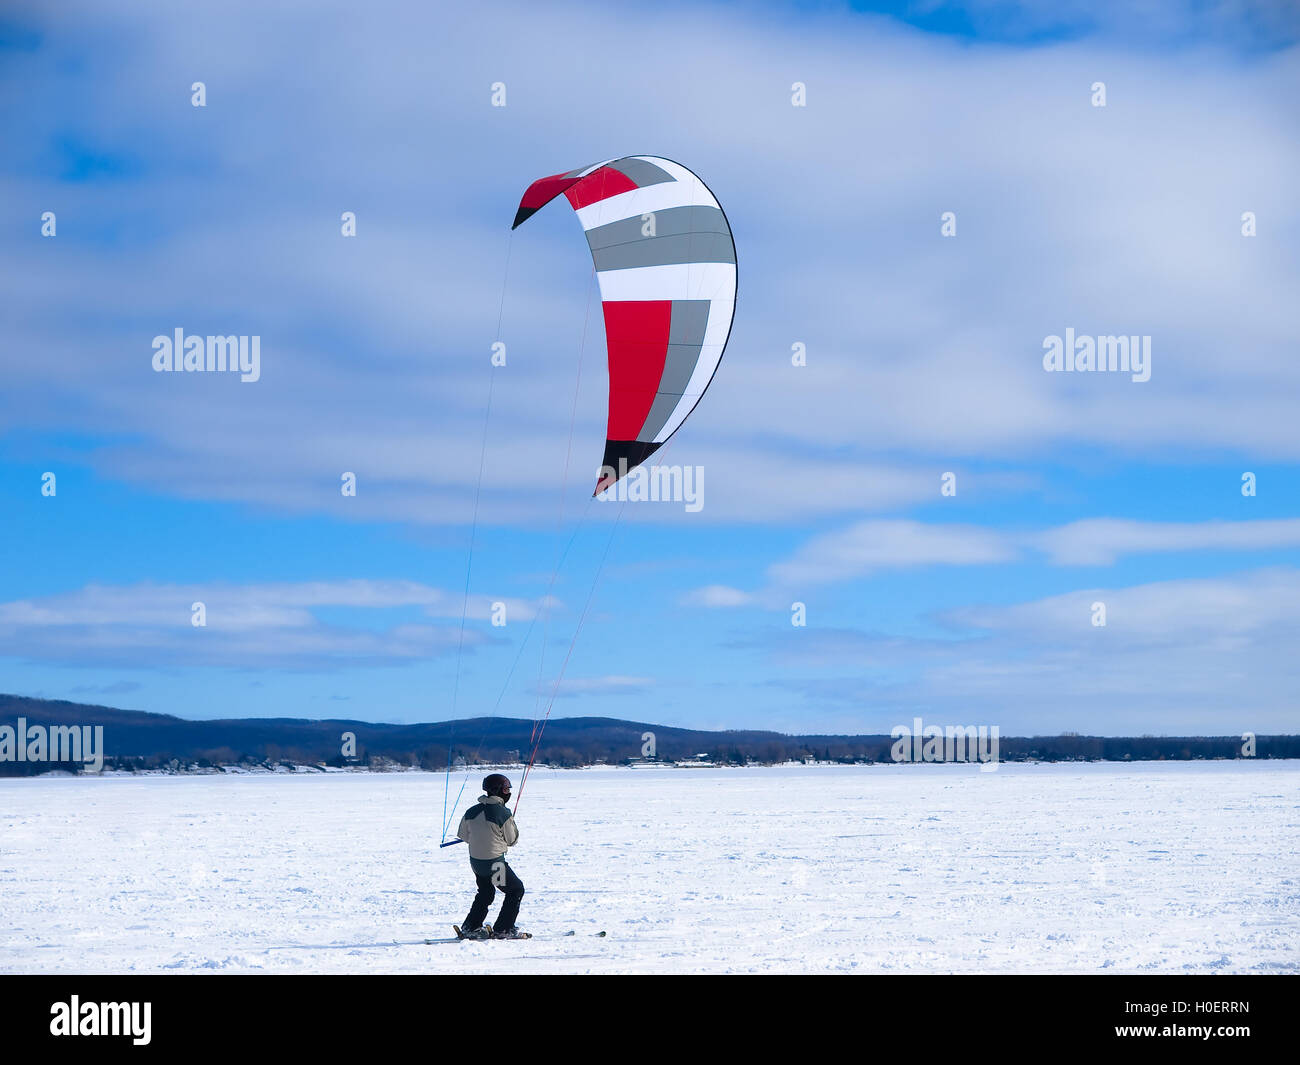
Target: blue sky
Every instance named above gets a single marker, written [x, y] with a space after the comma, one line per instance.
[822, 482]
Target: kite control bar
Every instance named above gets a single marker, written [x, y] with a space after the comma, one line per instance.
[451, 844]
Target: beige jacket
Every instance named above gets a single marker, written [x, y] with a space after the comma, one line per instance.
[488, 828]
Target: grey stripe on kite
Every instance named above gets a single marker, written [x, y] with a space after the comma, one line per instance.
[678, 249]
[686, 329]
[671, 222]
[641, 172]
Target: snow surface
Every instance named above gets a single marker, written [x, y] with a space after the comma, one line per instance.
[1147, 867]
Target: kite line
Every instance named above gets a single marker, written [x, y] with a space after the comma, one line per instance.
[663, 254]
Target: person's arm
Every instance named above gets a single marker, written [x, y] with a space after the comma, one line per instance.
[462, 833]
[511, 831]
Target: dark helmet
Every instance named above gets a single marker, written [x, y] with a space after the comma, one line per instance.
[496, 784]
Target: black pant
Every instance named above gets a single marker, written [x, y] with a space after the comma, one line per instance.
[487, 889]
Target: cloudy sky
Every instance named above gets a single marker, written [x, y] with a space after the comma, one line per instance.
[822, 483]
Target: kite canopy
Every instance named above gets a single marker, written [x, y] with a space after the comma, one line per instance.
[666, 264]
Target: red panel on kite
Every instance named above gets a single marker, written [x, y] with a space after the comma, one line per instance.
[636, 333]
[599, 185]
[544, 190]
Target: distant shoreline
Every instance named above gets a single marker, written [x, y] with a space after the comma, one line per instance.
[136, 741]
[298, 771]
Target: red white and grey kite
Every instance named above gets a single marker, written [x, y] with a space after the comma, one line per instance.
[666, 264]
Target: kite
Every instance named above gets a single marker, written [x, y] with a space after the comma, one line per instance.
[666, 264]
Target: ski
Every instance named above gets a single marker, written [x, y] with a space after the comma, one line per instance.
[461, 937]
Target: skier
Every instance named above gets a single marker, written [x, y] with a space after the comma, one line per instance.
[489, 829]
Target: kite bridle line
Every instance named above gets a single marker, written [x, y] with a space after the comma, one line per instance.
[559, 519]
[527, 208]
[560, 679]
[539, 730]
[469, 561]
[506, 684]
[563, 554]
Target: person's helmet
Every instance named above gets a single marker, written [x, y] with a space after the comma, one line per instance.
[496, 784]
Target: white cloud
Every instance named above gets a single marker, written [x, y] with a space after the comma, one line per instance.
[1263, 605]
[374, 349]
[1205, 656]
[1100, 541]
[716, 595]
[872, 546]
[254, 626]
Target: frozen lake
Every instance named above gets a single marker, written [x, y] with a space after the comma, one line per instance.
[1149, 867]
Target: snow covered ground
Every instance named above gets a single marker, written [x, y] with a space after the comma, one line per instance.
[1150, 867]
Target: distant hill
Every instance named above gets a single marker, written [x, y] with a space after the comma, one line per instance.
[135, 739]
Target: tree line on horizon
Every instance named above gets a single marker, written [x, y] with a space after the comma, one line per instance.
[725, 750]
